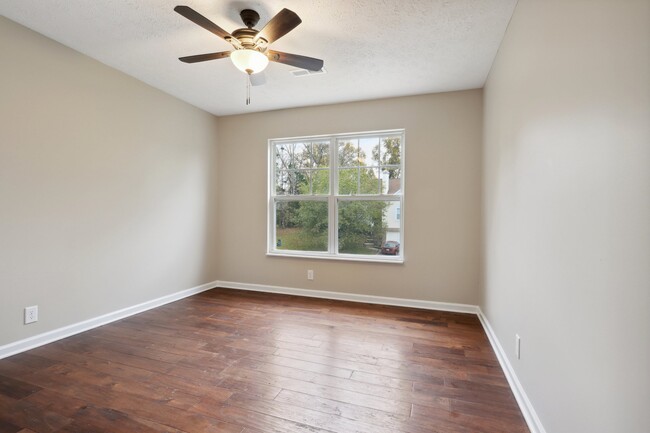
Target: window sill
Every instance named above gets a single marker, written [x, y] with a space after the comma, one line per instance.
[348, 258]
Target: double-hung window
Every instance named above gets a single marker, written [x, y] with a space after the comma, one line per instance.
[338, 196]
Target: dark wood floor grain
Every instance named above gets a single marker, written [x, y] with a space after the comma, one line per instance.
[242, 362]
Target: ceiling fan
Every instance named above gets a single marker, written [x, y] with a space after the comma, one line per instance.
[251, 52]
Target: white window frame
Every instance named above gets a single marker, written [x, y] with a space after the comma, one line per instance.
[333, 198]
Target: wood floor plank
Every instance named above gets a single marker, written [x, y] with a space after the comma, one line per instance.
[152, 409]
[14, 370]
[254, 388]
[305, 416]
[96, 364]
[298, 364]
[259, 421]
[16, 388]
[467, 422]
[31, 361]
[27, 415]
[386, 399]
[7, 427]
[321, 359]
[98, 419]
[346, 410]
[389, 382]
[232, 361]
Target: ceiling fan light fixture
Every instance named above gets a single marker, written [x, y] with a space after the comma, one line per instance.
[249, 61]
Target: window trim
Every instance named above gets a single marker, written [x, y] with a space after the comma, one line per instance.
[332, 199]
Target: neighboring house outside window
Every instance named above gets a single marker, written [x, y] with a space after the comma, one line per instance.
[337, 196]
[393, 214]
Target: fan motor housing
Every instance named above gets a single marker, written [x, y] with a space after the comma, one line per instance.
[246, 37]
[249, 17]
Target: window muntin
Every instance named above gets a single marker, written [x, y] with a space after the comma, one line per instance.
[337, 196]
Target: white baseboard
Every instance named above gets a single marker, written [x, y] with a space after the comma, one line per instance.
[76, 328]
[352, 297]
[527, 409]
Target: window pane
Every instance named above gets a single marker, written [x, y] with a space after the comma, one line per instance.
[281, 157]
[292, 156]
[369, 151]
[282, 182]
[303, 155]
[391, 151]
[369, 181]
[297, 182]
[300, 182]
[391, 154]
[394, 171]
[365, 227]
[292, 182]
[284, 157]
[320, 154]
[320, 182]
[348, 181]
[301, 225]
[348, 153]
[391, 182]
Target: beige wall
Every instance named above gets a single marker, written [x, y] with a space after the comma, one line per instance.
[107, 188]
[442, 203]
[567, 210]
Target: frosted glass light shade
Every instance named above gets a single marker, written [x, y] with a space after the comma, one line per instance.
[249, 61]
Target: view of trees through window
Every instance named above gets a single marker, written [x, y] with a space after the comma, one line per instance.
[358, 177]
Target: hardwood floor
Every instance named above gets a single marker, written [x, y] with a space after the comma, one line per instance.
[229, 361]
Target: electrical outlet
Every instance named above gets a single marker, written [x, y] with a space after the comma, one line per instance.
[310, 274]
[31, 314]
[518, 346]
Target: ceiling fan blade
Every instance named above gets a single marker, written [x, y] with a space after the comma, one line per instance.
[258, 79]
[302, 62]
[202, 21]
[205, 57]
[280, 25]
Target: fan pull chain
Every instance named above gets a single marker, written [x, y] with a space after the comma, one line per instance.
[248, 89]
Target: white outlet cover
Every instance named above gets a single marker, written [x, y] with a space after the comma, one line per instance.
[31, 314]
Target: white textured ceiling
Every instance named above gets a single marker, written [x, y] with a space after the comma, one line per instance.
[371, 48]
